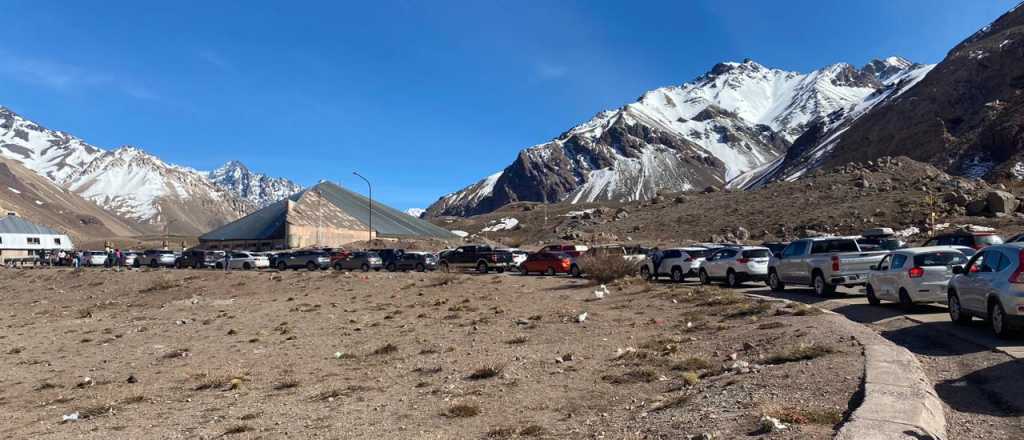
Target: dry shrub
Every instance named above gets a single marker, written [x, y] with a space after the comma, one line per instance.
[607, 268]
[532, 431]
[161, 283]
[460, 410]
[486, 372]
[693, 364]
[802, 352]
[237, 429]
[642, 375]
[385, 349]
[521, 339]
[805, 416]
[691, 378]
[771, 325]
[442, 279]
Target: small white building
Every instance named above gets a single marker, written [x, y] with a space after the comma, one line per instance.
[20, 238]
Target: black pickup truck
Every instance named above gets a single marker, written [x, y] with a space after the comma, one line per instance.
[482, 258]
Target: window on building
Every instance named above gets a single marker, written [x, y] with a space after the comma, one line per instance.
[33, 240]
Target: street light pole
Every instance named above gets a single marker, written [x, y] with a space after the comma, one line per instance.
[370, 188]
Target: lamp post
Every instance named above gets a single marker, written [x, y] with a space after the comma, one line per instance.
[370, 226]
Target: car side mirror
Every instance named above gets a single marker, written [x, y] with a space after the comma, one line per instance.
[959, 270]
[875, 267]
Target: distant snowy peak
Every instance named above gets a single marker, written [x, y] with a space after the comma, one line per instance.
[415, 212]
[256, 188]
[737, 117]
[52, 154]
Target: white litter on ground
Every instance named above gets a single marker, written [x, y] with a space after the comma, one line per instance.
[579, 213]
[73, 417]
[601, 292]
[462, 234]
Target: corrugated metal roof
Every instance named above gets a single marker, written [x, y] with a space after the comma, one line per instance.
[265, 224]
[268, 222]
[387, 221]
[12, 224]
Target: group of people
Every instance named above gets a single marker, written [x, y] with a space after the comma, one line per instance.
[115, 258]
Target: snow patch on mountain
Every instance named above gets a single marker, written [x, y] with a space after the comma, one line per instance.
[415, 212]
[52, 154]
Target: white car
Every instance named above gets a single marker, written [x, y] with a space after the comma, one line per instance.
[736, 265]
[94, 258]
[248, 260]
[914, 275]
[677, 263]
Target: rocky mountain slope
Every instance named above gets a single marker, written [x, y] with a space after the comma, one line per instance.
[136, 185]
[256, 188]
[964, 116]
[735, 118]
[39, 200]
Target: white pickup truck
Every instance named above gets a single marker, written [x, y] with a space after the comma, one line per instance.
[822, 263]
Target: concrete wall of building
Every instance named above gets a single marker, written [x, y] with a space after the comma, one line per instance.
[13, 253]
[300, 236]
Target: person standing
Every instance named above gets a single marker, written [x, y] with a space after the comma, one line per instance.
[227, 261]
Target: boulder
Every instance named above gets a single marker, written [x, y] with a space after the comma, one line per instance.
[1001, 202]
[742, 234]
[976, 207]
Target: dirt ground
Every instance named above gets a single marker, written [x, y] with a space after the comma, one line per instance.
[204, 354]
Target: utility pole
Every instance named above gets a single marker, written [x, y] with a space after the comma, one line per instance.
[370, 226]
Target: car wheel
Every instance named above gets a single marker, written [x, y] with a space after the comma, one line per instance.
[550, 272]
[219, 265]
[956, 312]
[677, 275]
[645, 273]
[731, 280]
[905, 302]
[997, 319]
[445, 268]
[282, 266]
[870, 293]
[775, 283]
[365, 267]
[482, 267]
[390, 267]
[575, 271]
[337, 266]
[704, 278]
[152, 263]
[821, 287]
[311, 266]
[420, 267]
[246, 266]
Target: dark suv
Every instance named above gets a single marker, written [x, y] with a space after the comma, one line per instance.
[974, 240]
[420, 262]
[199, 259]
[389, 257]
[311, 260]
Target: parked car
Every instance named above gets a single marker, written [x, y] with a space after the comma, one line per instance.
[822, 263]
[677, 263]
[480, 257]
[914, 275]
[277, 256]
[337, 254]
[94, 258]
[131, 258]
[364, 261]
[972, 239]
[630, 254]
[418, 261]
[570, 249]
[550, 263]
[199, 259]
[991, 287]
[309, 259]
[736, 265]
[246, 261]
[158, 258]
[390, 257]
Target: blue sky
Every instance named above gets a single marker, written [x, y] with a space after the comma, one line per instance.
[423, 97]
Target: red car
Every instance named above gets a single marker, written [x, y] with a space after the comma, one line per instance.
[569, 249]
[550, 263]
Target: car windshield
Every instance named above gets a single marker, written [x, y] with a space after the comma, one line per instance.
[756, 253]
[940, 259]
[830, 246]
[988, 239]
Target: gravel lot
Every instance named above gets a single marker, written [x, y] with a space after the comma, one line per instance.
[203, 354]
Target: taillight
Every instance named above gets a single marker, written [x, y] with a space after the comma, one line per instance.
[1018, 273]
[916, 272]
[494, 258]
[743, 260]
[835, 263]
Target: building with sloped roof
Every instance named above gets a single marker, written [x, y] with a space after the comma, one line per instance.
[20, 238]
[323, 215]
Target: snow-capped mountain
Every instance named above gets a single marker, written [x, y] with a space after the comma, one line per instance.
[415, 212]
[733, 119]
[256, 188]
[136, 185]
[140, 186]
[52, 154]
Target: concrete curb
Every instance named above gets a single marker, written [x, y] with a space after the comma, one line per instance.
[899, 400]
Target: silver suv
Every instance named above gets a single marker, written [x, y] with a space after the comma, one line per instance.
[990, 286]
